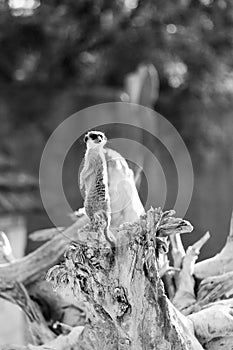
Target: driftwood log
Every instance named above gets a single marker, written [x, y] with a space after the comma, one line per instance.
[126, 296]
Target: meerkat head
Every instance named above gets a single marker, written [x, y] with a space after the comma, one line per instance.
[95, 139]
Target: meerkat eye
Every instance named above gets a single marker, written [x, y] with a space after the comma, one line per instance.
[93, 136]
[85, 138]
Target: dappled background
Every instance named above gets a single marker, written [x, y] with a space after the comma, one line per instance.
[57, 57]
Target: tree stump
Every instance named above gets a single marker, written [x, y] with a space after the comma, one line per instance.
[121, 287]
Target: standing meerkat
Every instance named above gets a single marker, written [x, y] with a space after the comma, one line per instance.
[94, 183]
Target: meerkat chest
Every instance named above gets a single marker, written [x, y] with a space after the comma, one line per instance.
[96, 171]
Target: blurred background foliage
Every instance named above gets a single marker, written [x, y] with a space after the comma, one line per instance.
[54, 43]
[74, 46]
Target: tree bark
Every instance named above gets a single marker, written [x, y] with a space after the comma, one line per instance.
[122, 289]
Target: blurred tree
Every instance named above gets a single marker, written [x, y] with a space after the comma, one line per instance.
[57, 43]
[58, 56]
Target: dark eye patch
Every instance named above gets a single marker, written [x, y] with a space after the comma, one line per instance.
[93, 136]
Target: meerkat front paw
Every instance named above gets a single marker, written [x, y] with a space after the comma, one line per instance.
[100, 220]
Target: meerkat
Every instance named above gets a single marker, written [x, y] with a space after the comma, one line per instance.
[125, 204]
[94, 183]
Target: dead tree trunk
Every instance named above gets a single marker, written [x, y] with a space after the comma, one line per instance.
[122, 290]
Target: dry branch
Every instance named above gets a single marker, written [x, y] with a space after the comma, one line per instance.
[212, 324]
[177, 250]
[185, 296]
[62, 342]
[29, 268]
[220, 263]
[16, 293]
[46, 234]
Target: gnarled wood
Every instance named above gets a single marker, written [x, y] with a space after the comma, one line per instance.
[16, 293]
[29, 268]
[220, 263]
[62, 342]
[185, 296]
[122, 288]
